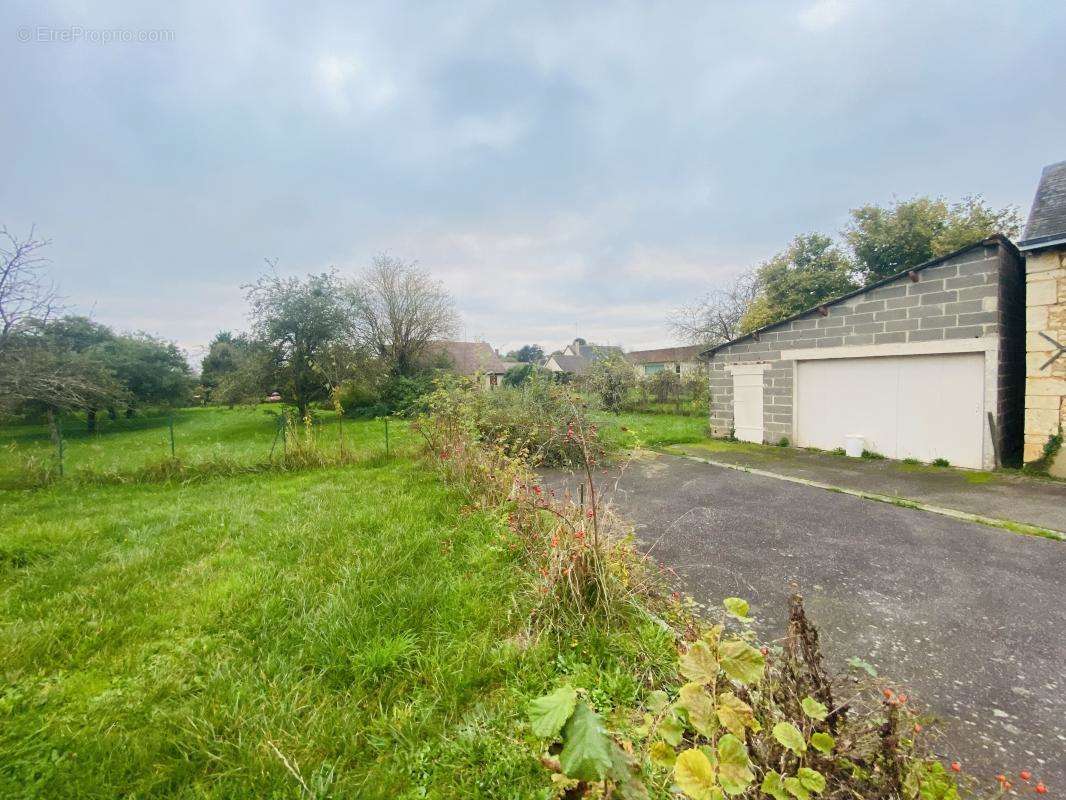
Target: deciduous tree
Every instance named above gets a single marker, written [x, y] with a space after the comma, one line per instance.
[887, 240]
[296, 320]
[527, 354]
[399, 309]
[811, 270]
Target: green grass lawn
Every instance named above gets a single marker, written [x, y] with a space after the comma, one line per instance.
[628, 430]
[353, 629]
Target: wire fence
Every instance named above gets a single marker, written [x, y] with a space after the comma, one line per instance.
[130, 454]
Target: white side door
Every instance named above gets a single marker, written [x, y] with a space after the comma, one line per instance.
[747, 401]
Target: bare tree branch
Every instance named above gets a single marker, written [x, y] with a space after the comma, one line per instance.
[715, 318]
[25, 293]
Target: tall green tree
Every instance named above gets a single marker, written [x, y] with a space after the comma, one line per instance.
[810, 271]
[528, 354]
[298, 322]
[153, 371]
[223, 359]
[887, 240]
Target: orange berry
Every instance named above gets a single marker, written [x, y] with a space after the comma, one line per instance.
[1025, 774]
[917, 727]
[956, 766]
[887, 693]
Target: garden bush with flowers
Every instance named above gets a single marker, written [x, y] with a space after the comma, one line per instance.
[734, 716]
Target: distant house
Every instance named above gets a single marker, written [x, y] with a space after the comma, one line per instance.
[679, 360]
[472, 359]
[578, 356]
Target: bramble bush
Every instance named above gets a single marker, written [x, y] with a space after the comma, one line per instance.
[586, 567]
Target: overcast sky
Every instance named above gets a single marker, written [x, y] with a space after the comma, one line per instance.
[565, 169]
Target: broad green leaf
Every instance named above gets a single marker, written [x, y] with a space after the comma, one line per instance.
[823, 742]
[586, 753]
[694, 776]
[548, 714]
[857, 663]
[737, 607]
[662, 754]
[812, 780]
[813, 709]
[657, 701]
[734, 769]
[671, 729]
[699, 664]
[713, 634]
[741, 661]
[735, 714]
[700, 708]
[797, 789]
[789, 736]
[774, 786]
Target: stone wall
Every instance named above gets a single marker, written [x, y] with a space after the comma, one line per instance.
[956, 299]
[1045, 389]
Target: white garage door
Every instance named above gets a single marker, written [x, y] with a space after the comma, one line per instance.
[923, 407]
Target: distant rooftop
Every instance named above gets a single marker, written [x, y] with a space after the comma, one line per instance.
[1047, 219]
[665, 354]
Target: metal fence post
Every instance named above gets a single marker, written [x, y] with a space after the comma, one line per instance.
[59, 430]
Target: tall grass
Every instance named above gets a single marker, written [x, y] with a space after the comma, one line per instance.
[357, 631]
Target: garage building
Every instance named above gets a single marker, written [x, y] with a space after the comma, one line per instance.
[926, 364]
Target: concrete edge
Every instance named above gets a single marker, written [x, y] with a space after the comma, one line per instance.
[992, 522]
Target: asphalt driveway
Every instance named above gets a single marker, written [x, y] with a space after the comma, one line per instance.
[971, 619]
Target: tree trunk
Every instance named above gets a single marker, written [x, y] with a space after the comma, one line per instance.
[90, 420]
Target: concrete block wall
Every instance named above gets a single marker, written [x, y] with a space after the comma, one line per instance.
[1045, 389]
[956, 299]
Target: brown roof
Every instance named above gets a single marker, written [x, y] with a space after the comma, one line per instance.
[665, 354]
[468, 358]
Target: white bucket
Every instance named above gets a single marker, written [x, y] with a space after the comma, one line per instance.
[854, 445]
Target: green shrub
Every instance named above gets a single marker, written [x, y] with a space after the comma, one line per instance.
[872, 455]
[941, 462]
[611, 379]
[516, 376]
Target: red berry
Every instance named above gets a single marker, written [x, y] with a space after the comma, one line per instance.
[917, 728]
[764, 650]
[1041, 789]
[1025, 774]
[956, 766]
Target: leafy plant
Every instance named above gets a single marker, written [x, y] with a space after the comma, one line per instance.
[941, 462]
[742, 720]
